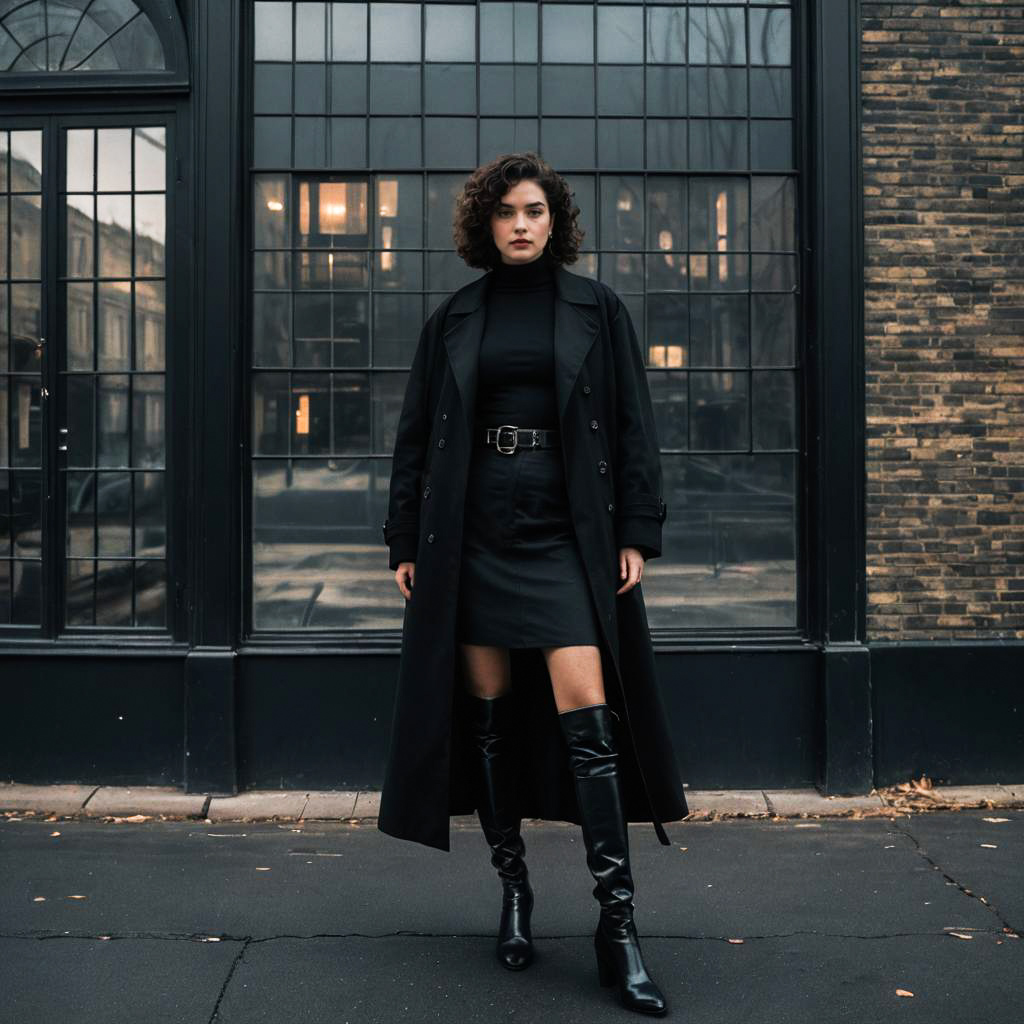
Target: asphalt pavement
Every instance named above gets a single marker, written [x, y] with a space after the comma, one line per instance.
[907, 916]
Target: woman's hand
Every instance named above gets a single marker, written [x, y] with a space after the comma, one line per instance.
[405, 578]
[631, 568]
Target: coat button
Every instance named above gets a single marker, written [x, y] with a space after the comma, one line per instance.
[586, 389]
[444, 416]
[602, 466]
[593, 424]
[441, 443]
[611, 507]
[430, 538]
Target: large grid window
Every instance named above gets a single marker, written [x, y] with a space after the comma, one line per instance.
[673, 123]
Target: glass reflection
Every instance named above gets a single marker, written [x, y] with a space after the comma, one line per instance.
[399, 209]
[331, 213]
[26, 148]
[719, 411]
[114, 213]
[113, 519]
[316, 556]
[150, 325]
[150, 235]
[114, 159]
[394, 31]
[21, 366]
[729, 554]
[151, 159]
[26, 235]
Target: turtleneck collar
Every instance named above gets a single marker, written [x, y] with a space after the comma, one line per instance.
[537, 273]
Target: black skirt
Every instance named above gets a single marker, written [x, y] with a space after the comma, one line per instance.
[522, 581]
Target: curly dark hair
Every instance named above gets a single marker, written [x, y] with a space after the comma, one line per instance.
[485, 188]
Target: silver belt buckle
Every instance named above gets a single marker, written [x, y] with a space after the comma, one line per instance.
[515, 438]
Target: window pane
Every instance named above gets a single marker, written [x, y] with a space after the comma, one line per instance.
[394, 88]
[774, 409]
[395, 32]
[731, 529]
[567, 89]
[451, 32]
[272, 31]
[310, 89]
[718, 411]
[310, 31]
[272, 88]
[620, 35]
[620, 92]
[508, 32]
[395, 142]
[666, 35]
[450, 89]
[622, 212]
[568, 33]
[348, 31]
[720, 330]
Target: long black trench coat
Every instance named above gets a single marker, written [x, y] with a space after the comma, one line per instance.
[613, 475]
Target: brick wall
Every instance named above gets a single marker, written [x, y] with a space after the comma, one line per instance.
[943, 152]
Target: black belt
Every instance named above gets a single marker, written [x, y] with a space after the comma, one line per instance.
[508, 437]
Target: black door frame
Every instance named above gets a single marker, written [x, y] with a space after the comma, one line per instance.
[52, 113]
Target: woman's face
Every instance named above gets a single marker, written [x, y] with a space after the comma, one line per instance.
[522, 222]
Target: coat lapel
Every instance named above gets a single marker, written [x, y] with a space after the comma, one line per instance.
[575, 330]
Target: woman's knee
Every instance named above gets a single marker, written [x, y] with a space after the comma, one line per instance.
[576, 676]
[486, 670]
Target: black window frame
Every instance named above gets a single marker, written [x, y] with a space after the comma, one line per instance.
[830, 568]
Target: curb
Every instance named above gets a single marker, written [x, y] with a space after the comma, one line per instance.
[119, 804]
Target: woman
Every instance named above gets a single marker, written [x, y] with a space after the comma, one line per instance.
[517, 550]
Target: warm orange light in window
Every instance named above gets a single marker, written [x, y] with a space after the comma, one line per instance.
[302, 415]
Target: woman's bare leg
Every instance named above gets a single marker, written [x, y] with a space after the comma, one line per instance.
[576, 676]
[488, 670]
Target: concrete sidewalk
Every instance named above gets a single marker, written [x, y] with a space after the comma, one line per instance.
[168, 803]
[773, 920]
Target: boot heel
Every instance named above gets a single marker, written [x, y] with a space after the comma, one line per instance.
[605, 971]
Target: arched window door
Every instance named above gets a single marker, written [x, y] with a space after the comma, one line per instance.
[86, 283]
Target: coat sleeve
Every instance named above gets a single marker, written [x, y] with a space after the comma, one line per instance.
[639, 508]
[401, 527]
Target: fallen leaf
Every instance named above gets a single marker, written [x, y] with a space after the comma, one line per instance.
[989, 846]
[960, 935]
[736, 942]
[131, 818]
[211, 938]
[39, 899]
[903, 992]
[996, 821]
[76, 897]
[263, 869]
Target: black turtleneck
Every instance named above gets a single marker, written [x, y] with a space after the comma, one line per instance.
[516, 381]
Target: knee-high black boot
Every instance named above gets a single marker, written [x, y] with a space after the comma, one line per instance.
[500, 822]
[593, 755]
